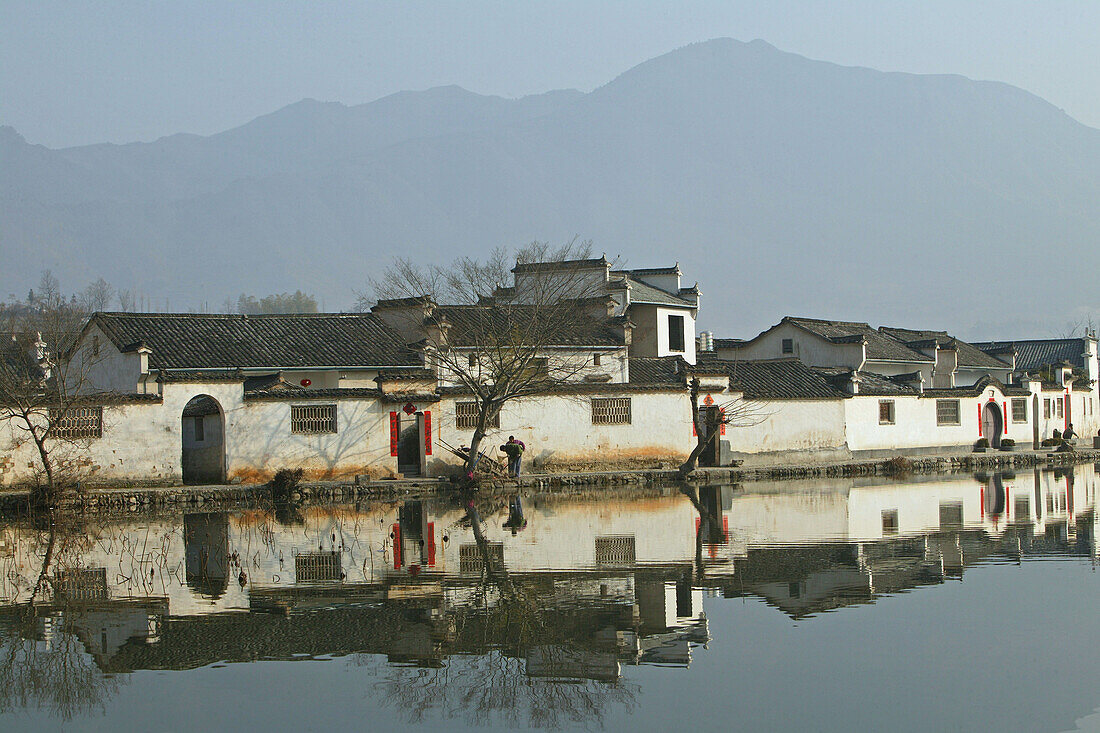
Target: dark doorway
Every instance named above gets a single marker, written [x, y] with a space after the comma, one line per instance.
[992, 424]
[408, 445]
[203, 428]
[712, 423]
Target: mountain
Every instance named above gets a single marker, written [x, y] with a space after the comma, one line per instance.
[784, 185]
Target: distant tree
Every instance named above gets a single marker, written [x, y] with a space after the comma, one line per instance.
[127, 301]
[97, 296]
[296, 302]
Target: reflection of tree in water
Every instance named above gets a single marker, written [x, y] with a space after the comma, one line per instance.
[518, 661]
[43, 661]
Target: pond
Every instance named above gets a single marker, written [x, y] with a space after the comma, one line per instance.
[955, 602]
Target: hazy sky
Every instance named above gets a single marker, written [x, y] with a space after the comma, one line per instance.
[82, 72]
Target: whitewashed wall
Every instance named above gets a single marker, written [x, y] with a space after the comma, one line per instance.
[558, 430]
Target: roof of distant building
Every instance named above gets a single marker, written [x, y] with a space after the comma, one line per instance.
[1033, 354]
[667, 370]
[201, 341]
[590, 263]
[645, 293]
[880, 347]
[968, 354]
[470, 323]
[772, 379]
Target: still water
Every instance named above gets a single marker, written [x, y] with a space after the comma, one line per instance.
[948, 603]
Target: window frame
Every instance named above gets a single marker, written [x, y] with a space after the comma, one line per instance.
[941, 420]
[1019, 402]
[892, 417]
[78, 423]
[610, 410]
[312, 424]
[469, 421]
[786, 346]
[680, 331]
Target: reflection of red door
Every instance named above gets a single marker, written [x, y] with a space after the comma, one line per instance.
[991, 424]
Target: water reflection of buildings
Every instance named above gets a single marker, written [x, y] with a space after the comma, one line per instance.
[612, 580]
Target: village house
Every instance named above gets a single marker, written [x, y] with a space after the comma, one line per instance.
[200, 398]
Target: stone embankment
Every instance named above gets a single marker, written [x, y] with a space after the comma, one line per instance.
[210, 498]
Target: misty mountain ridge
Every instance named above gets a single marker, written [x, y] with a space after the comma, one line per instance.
[783, 185]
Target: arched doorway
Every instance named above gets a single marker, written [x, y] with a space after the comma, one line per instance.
[992, 424]
[203, 441]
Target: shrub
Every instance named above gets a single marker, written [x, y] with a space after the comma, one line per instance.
[284, 483]
[1051, 442]
[1008, 443]
[982, 443]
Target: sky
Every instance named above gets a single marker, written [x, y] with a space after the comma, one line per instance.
[74, 73]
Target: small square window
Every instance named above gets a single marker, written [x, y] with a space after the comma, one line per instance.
[1059, 408]
[1046, 408]
[890, 521]
[595, 360]
[886, 412]
[788, 346]
[1019, 409]
[947, 412]
[472, 360]
[610, 410]
[310, 419]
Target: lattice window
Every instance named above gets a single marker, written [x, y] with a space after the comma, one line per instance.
[471, 559]
[82, 584]
[313, 418]
[78, 422]
[886, 412]
[611, 411]
[615, 550]
[466, 416]
[947, 412]
[1019, 409]
[313, 567]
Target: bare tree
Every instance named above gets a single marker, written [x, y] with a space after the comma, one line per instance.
[97, 296]
[45, 394]
[498, 333]
[711, 419]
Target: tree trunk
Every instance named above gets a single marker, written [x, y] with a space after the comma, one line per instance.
[701, 441]
[44, 496]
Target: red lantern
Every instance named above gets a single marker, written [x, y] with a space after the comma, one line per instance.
[306, 382]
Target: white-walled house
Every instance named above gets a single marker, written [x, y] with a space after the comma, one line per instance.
[928, 358]
[661, 311]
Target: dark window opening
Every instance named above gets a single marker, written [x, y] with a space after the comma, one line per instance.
[675, 333]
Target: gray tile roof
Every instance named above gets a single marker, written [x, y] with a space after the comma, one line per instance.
[641, 292]
[196, 341]
[1033, 354]
[665, 370]
[969, 355]
[977, 388]
[469, 323]
[773, 379]
[879, 346]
